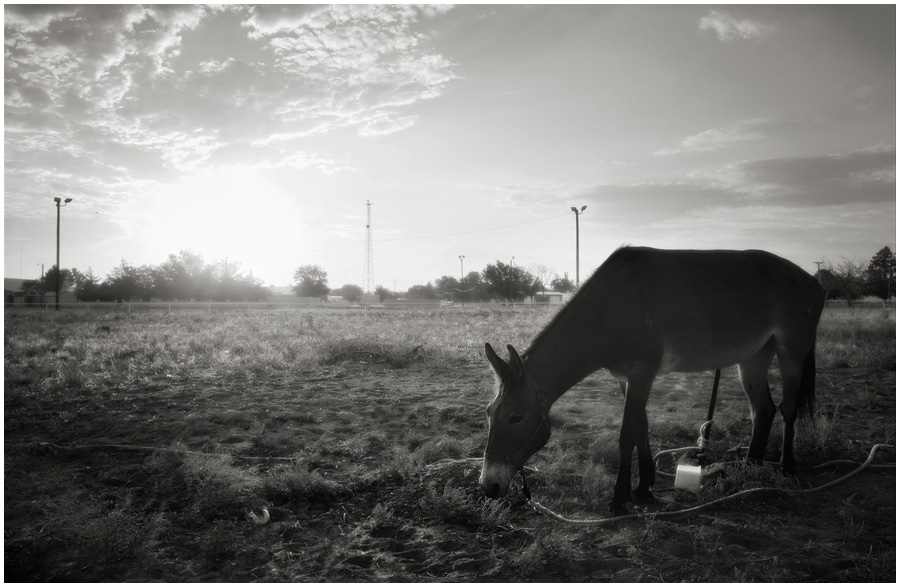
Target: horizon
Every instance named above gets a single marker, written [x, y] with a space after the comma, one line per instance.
[258, 133]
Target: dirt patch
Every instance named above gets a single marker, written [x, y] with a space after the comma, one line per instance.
[370, 473]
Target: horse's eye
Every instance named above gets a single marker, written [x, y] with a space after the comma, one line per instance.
[515, 419]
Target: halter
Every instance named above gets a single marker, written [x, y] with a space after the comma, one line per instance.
[537, 439]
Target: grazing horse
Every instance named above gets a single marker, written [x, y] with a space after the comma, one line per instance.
[646, 312]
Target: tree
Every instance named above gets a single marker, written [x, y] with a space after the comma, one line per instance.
[541, 274]
[508, 281]
[183, 277]
[446, 287]
[849, 279]
[422, 292]
[384, 293]
[87, 286]
[472, 288]
[51, 276]
[881, 274]
[562, 284]
[351, 293]
[122, 282]
[311, 281]
[829, 283]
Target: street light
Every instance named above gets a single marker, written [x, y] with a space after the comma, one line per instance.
[461, 257]
[511, 275]
[42, 283]
[577, 260]
[58, 270]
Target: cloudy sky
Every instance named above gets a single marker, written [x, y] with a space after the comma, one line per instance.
[259, 133]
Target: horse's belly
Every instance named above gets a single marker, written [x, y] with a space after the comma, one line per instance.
[708, 357]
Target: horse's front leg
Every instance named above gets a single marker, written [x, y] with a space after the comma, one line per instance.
[634, 433]
[646, 468]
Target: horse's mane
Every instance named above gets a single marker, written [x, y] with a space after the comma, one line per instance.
[589, 285]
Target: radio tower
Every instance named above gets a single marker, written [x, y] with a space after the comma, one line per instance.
[369, 259]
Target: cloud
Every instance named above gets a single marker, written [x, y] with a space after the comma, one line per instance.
[386, 124]
[861, 176]
[641, 204]
[728, 28]
[758, 188]
[715, 139]
[368, 57]
[144, 93]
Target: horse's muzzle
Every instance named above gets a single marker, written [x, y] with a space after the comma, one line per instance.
[492, 490]
[494, 480]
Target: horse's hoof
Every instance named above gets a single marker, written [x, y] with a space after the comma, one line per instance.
[617, 510]
[642, 496]
[790, 473]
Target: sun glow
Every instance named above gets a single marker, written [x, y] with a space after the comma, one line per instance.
[235, 213]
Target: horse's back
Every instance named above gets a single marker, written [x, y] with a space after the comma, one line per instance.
[707, 309]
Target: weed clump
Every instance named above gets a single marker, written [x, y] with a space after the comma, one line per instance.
[206, 488]
[367, 351]
[296, 483]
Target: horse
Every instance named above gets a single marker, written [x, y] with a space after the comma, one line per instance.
[646, 312]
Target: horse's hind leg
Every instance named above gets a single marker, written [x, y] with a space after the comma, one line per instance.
[646, 467]
[754, 380]
[793, 370]
[633, 434]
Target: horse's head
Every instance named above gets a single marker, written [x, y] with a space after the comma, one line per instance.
[518, 419]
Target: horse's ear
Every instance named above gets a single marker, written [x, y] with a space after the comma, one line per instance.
[515, 362]
[499, 365]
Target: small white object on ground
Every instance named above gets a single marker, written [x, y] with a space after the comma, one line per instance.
[688, 477]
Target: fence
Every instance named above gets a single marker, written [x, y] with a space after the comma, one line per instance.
[226, 306]
[861, 303]
[387, 305]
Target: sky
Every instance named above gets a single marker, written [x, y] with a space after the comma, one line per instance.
[257, 134]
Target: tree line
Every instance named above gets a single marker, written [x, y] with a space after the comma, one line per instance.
[181, 277]
[496, 282]
[851, 280]
[847, 280]
[186, 277]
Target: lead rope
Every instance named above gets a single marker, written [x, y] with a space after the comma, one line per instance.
[541, 509]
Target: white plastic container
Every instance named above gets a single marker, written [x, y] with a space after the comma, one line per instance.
[688, 477]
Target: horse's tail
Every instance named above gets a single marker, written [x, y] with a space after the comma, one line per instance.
[806, 395]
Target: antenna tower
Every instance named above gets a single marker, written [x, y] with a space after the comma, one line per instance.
[369, 256]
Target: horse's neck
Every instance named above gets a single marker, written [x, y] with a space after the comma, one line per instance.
[565, 352]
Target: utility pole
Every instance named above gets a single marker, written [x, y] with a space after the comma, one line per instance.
[511, 274]
[461, 257]
[577, 260]
[58, 269]
[370, 271]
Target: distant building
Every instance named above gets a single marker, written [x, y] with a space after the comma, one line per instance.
[14, 295]
[286, 295]
[12, 288]
[552, 298]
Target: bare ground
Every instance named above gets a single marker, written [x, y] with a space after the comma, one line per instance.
[390, 496]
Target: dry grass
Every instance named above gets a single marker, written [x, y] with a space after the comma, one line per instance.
[355, 445]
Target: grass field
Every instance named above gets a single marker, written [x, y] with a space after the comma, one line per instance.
[136, 444]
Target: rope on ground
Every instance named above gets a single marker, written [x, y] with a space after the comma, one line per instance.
[603, 521]
[136, 447]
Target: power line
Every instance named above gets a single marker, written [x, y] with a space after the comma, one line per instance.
[24, 211]
[409, 238]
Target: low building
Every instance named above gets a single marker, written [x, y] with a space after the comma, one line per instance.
[551, 298]
[286, 296]
[15, 295]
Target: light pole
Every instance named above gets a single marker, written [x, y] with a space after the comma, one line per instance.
[577, 260]
[42, 284]
[58, 270]
[511, 275]
[461, 257]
